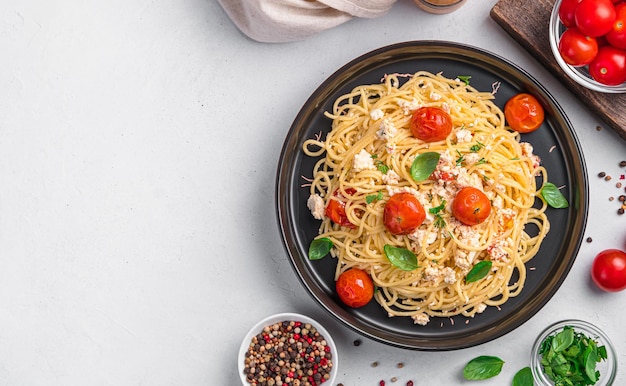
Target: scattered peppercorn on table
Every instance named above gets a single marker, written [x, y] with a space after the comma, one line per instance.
[139, 240]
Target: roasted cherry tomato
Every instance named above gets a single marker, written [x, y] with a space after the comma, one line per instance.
[336, 209]
[609, 270]
[524, 113]
[577, 49]
[403, 213]
[471, 206]
[617, 35]
[595, 17]
[566, 12]
[354, 287]
[431, 124]
[609, 66]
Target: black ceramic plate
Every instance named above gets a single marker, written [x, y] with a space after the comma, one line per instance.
[555, 142]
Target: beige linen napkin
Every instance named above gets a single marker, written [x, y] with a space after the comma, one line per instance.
[276, 21]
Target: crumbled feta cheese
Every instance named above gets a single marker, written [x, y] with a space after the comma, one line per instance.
[363, 161]
[471, 158]
[376, 114]
[315, 203]
[390, 147]
[409, 106]
[434, 96]
[387, 130]
[463, 136]
[419, 234]
[480, 308]
[391, 177]
[432, 274]
[498, 252]
[421, 319]
[449, 275]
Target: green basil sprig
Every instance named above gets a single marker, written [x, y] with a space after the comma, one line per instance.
[320, 248]
[553, 196]
[424, 165]
[401, 257]
[482, 367]
[478, 271]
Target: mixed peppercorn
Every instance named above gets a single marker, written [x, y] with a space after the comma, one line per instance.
[288, 353]
[622, 197]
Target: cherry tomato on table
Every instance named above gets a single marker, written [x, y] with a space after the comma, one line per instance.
[403, 213]
[431, 124]
[577, 49]
[617, 35]
[595, 17]
[354, 287]
[609, 270]
[524, 113]
[566, 12]
[336, 209]
[609, 66]
[471, 206]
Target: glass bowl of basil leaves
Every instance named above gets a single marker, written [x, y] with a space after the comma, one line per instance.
[573, 352]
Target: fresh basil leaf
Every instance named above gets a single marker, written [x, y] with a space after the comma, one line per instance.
[480, 270]
[563, 339]
[401, 257]
[553, 196]
[320, 248]
[424, 165]
[524, 377]
[483, 367]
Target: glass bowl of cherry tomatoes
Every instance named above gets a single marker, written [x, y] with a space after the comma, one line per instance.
[588, 41]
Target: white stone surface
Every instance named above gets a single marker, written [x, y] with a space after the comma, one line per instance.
[138, 238]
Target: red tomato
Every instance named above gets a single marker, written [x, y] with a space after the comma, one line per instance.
[609, 66]
[524, 113]
[403, 213]
[595, 17]
[609, 270]
[471, 206]
[577, 49]
[566, 12]
[431, 124]
[354, 287]
[617, 35]
[336, 209]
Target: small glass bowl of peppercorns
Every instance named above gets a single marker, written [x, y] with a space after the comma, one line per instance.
[288, 346]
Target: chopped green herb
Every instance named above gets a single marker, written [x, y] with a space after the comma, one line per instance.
[465, 79]
[481, 161]
[382, 167]
[320, 248]
[374, 197]
[424, 165]
[477, 147]
[439, 221]
[570, 357]
[482, 367]
[461, 159]
[553, 196]
[401, 257]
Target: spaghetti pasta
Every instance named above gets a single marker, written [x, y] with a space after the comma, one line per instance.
[366, 158]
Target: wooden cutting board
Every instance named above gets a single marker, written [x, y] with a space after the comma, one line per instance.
[527, 22]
